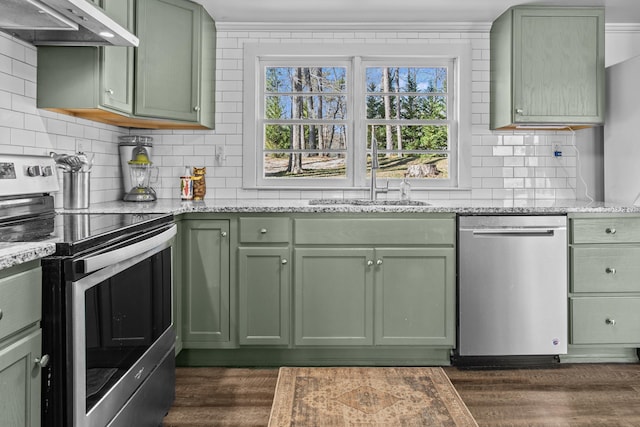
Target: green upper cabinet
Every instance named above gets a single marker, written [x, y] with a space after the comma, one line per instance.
[167, 82]
[116, 78]
[175, 61]
[547, 67]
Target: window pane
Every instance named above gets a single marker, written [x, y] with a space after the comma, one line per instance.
[406, 79]
[305, 165]
[285, 107]
[409, 107]
[409, 137]
[305, 137]
[419, 166]
[305, 79]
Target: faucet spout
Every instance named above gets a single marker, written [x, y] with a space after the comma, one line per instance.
[375, 164]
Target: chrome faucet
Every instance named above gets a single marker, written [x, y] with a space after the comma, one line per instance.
[373, 188]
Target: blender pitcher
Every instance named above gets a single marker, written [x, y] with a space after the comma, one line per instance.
[141, 170]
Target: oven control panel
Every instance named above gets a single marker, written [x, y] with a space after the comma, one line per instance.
[24, 174]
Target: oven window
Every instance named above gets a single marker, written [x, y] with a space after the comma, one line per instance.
[124, 315]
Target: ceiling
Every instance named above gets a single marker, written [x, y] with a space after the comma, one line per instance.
[396, 11]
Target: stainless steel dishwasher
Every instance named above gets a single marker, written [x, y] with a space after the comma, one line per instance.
[512, 286]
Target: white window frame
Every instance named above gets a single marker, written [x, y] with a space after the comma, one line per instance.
[457, 58]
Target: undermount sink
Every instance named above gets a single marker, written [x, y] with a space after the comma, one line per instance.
[367, 202]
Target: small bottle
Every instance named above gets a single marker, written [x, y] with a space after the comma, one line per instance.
[405, 189]
[186, 185]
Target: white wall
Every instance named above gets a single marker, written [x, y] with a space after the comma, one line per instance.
[506, 165]
[24, 129]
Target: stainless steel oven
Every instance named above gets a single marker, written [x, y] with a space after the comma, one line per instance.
[107, 321]
[106, 297]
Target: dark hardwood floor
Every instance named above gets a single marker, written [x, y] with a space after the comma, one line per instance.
[577, 395]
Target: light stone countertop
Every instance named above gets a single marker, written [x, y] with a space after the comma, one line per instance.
[16, 253]
[461, 207]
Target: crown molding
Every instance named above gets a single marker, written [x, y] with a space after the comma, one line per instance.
[621, 28]
[396, 27]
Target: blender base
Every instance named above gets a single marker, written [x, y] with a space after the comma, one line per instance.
[140, 195]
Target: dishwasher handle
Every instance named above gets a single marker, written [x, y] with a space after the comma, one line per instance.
[516, 232]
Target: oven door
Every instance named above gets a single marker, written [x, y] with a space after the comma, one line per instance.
[121, 324]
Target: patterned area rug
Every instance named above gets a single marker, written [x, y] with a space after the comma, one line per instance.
[371, 397]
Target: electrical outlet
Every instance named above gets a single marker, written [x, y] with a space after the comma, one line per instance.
[220, 155]
[557, 151]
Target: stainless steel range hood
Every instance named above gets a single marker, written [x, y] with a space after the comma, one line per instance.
[62, 22]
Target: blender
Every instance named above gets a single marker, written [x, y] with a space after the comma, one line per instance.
[140, 169]
[130, 146]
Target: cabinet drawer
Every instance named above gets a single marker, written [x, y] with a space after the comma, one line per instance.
[605, 320]
[605, 230]
[605, 269]
[375, 231]
[264, 230]
[20, 301]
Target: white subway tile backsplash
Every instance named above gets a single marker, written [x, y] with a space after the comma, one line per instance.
[506, 165]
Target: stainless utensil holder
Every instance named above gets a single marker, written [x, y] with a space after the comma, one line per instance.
[76, 189]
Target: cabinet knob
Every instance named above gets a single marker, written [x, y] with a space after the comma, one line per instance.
[369, 263]
[42, 361]
[610, 231]
[379, 262]
[610, 270]
[284, 261]
[519, 111]
[223, 234]
[263, 231]
[109, 91]
[196, 108]
[610, 321]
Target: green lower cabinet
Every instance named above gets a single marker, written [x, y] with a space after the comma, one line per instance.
[264, 295]
[205, 283]
[415, 291]
[333, 296]
[381, 296]
[20, 381]
[605, 320]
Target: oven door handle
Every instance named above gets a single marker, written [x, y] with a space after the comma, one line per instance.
[96, 262]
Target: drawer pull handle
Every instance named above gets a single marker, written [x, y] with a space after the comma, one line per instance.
[284, 261]
[610, 270]
[610, 321]
[369, 263]
[1, 314]
[610, 231]
[263, 231]
[42, 361]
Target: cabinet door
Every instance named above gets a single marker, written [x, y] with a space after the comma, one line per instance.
[205, 268]
[415, 291]
[558, 65]
[20, 382]
[333, 296]
[264, 295]
[117, 62]
[168, 59]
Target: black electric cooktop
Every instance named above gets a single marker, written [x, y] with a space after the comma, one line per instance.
[77, 232]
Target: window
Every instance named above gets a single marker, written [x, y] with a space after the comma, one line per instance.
[320, 117]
